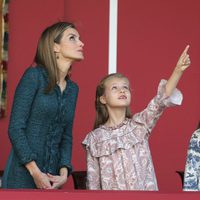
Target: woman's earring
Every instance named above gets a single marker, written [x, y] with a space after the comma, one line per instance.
[56, 54]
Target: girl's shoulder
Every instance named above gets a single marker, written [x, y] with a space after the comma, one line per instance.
[94, 136]
[97, 142]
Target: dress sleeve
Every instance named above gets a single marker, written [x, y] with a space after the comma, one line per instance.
[23, 98]
[192, 168]
[66, 143]
[149, 116]
[93, 172]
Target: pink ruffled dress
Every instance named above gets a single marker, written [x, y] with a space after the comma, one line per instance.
[118, 158]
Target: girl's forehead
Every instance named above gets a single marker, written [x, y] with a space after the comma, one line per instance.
[115, 80]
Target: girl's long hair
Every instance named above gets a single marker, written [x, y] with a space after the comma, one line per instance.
[102, 114]
[45, 55]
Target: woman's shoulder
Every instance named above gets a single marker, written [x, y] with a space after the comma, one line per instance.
[32, 70]
[73, 84]
[29, 75]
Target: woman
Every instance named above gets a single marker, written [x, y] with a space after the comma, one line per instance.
[42, 116]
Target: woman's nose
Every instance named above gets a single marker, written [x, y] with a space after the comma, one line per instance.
[81, 43]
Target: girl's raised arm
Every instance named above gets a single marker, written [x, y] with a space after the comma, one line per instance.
[182, 64]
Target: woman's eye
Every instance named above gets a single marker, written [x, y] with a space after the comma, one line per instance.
[72, 38]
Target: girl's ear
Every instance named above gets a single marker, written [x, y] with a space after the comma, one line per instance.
[102, 99]
[56, 47]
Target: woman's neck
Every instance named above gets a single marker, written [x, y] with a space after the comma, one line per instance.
[63, 66]
[62, 77]
[63, 71]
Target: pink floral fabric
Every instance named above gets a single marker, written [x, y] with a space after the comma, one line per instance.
[118, 158]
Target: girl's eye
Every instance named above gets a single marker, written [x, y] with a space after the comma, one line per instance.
[114, 88]
[126, 87]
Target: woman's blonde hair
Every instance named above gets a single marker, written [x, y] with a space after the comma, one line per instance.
[45, 55]
[102, 114]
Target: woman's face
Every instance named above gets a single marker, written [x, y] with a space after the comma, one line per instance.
[70, 47]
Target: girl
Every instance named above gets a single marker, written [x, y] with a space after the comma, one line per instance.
[118, 155]
[42, 115]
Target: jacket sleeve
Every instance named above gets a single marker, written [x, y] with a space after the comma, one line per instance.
[67, 138]
[23, 98]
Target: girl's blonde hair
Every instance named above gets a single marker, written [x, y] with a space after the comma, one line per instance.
[102, 114]
[45, 55]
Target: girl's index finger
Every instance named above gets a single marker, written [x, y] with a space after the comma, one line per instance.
[186, 49]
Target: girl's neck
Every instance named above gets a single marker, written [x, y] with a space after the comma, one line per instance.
[116, 117]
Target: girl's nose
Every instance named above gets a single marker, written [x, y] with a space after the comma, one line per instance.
[122, 90]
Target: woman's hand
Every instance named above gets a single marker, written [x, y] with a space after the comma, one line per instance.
[41, 180]
[58, 181]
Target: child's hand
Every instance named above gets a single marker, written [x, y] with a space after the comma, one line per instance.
[184, 61]
[182, 64]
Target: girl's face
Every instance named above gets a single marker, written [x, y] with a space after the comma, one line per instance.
[70, 46]
[117, 93]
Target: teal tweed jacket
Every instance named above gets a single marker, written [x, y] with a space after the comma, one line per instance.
[40, 128]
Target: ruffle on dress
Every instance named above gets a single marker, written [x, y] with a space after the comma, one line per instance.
[104, 141]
